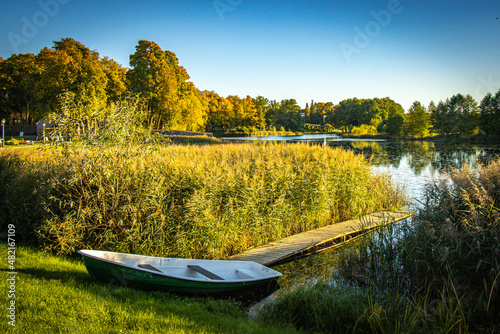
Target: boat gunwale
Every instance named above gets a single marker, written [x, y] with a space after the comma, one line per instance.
[185, 278]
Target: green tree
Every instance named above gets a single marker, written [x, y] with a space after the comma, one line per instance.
[394, 124]
[431, 109]
[348, 114]
[287, 115]
[19, 75]
[490, 114]
[417, 121]
[458, 115]
[262, 106]
[389, 116]
[383, 114]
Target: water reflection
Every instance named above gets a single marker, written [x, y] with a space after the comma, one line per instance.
[420, 155]
[314, 137]
[413, 164]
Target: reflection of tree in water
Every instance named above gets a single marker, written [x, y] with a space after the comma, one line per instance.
[421, 155]
[376, 151]
[457, 155]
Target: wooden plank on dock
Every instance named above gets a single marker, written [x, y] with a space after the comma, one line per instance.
[311, 241]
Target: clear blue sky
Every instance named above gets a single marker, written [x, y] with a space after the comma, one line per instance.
[308, 50]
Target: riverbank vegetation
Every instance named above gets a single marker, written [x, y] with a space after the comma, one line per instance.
[183, 201]
[439, 272]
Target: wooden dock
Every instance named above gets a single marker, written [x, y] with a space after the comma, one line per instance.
[320, 239]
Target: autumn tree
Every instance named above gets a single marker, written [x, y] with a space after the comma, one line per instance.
[215, 107]
[307, 112]
[116, 74]
[70, 66]
[173, 102]
[32, 84]
[86, 70]
[318, 111]
[56, 77]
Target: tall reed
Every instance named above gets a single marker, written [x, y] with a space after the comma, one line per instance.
[186, 201]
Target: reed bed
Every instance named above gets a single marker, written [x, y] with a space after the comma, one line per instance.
[183, 201]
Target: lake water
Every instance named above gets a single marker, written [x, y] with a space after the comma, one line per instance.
[411, 164]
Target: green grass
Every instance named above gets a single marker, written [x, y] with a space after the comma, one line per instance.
[54, 294]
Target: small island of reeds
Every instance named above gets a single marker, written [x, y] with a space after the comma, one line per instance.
[183, 201]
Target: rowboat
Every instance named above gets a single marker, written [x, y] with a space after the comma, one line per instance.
[185, 276]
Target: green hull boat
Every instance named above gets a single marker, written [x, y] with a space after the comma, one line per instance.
[199, 277]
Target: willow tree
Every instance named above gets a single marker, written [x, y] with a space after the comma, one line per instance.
[173, 101]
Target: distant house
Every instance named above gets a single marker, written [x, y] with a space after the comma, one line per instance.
[39, 127]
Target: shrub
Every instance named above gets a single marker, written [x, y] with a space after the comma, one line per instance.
[13, 142]
[364, 129]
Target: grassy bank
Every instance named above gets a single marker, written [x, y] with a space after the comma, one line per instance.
[439, 273]
[183, 201]
[54, 294]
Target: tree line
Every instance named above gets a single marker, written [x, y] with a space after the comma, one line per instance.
[32, 87]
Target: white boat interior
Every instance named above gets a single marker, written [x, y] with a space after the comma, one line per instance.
[209, 270]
